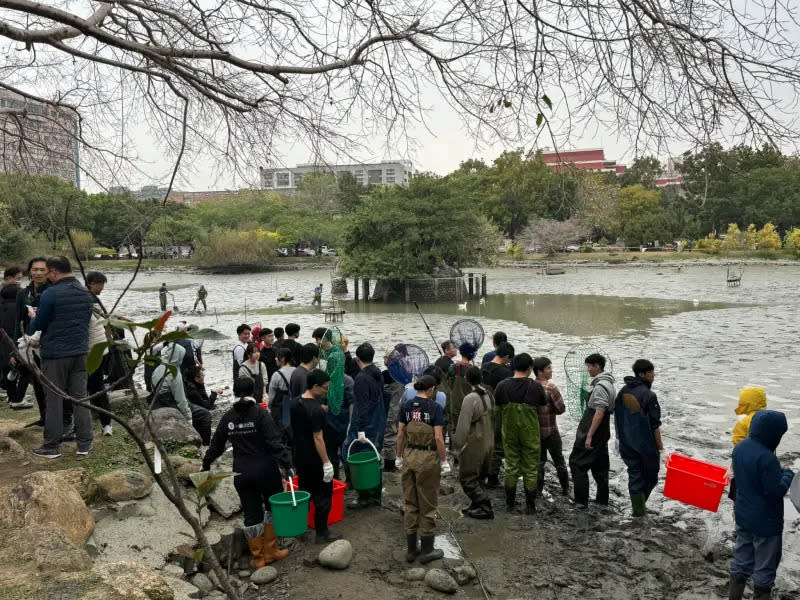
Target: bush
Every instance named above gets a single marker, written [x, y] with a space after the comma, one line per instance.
[768, 238]
[230, 247]
[733, 238]
[586, 248]
[514, 251]
[18, 245]
[709, 244]
[793, 240]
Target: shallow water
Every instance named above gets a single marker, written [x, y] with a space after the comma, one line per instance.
[706, 340]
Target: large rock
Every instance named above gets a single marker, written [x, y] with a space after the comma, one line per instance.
[184, 467]
[415, 574]
[129, 581]
[464, 574]
[225, 499]
[441, 581]
[11, 428]
[336, 555]
[169, 425]
[53, 551]
[46, 497]
[119, 486]
[11, 451]
[264, 575]
[203, 583]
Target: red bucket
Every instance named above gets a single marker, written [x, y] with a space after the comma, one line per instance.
[695, 482]
[337, 503]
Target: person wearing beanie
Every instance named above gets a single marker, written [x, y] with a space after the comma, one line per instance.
[314, 468]
[422, 460]
[258, 458]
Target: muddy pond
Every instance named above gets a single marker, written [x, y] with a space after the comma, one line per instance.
[706, 340]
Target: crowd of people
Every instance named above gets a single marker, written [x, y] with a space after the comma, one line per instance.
[305, 407]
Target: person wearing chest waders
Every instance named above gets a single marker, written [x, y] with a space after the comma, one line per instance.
[474, 442]
[258, 458]
[420, 446]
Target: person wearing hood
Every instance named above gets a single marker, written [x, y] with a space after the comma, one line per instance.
[520, 396]
[637, 416]
[751, 400]
[761, 485]
[338, 400]
[169, 392]
[370, 405]
[258, 458]
[590, 451]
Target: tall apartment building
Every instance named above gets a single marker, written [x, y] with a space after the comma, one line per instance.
[592, 159]
[393, 172]
[38, 139]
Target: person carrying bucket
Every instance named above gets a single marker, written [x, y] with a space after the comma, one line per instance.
[420, 448]
[258, 457]
[637, 416]
[314, 468]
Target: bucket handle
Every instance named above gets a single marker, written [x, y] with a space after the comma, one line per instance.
[366, 439]
[291, 489]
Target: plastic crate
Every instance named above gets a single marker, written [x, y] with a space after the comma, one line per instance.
[337, 503]
[695, 482]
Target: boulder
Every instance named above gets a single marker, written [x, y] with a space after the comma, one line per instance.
[169, 425]
[129, 581]
[172, 570]
[464, 574]
[225, 499]
[336, 555]
[441, 581]
[185, 466]
[11, 428]
[11, 451]
[203, 583]
[53, 551]
[264, 575]
[119, 486]
[46, 497]
[415, 574]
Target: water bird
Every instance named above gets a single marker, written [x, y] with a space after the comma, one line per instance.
[695, 301]
[462, 306]
[482, 301]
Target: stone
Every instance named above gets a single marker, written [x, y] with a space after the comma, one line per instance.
[93, 548]
[415, 574]
[119, 486]
[336, 555]
[11, 451]
[50, 548]
[120, 399]
[202, 583]
[11, 428]
[145, 509]
[264, 575]
[213, 577]
[129, 581]
[125, 510]
[185, 466]
[46, 497]
[224, 499]
[173, 570]
[244, 573]
[441, 581]
[464, 574]
[169, 425]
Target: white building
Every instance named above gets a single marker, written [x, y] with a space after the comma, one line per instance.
[285, 179]
[37, 138]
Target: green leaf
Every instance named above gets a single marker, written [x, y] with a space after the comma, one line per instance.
[95, 358]
[539, 119]
[124, 324]
[546, 100]
[507, 103]
[198, 555]
[152, 359]
[172, 336]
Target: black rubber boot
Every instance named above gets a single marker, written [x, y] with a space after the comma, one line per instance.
[511, 498]
[483, 511]
[530, 502]
[563, 479]
[428, 552]
[760, 593]
[736, 590]
[540, 480]
[472, 506]
[413, 551]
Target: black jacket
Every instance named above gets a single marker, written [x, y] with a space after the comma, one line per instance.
[196, 394]
[29, 295]
[8, 315]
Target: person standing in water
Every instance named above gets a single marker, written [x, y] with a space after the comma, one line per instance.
[420, 446]
[201, 297]
[162, 296]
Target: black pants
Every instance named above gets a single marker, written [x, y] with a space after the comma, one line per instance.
[94, 384]
[309, 475]
[254, 487]
[553, 445]
[581, 462]
[9, 386]
[26, 377]
[333, 446]
[201, 421]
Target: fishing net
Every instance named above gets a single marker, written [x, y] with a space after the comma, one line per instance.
[406, 362]
[579, 384]
[332, 360]
[467, 331]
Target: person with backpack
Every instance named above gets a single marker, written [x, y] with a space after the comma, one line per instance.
[259, 456]
[243, 332]
[253, 368]
[280, 398]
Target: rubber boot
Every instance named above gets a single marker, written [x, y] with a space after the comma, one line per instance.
[271, 551]
[563, 479]
[428, 552]
[530, 502]
[760, 593]
[482, 511]
[256, 546]
[540, 480]
[511, 498]
[413, 551]
[472, 506]
[736, 591]
[637, 502]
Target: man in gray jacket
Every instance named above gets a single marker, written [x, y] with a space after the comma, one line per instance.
[590, 452]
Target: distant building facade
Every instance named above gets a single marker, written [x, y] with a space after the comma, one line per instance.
[37, 138]
[154, 192]
[284, 179]
[592, 159]
[671, 174]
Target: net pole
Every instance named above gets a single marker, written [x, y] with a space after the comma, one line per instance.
[436, 345]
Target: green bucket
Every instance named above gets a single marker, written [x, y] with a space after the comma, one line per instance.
[290, 520]
[365, 470]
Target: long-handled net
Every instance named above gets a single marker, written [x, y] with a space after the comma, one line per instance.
[579, 384]
[467, 331]
[406, 362]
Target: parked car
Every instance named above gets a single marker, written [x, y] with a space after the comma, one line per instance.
[306, 252]
[573, 248]
[282, 252]
[325, 251]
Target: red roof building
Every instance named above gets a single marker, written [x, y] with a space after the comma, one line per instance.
[593, 159]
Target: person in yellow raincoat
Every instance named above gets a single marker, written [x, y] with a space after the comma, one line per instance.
[751, 400]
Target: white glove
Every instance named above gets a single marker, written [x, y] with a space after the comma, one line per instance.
[398, 463]
[327, 472]
[362, 437]
[446, 468]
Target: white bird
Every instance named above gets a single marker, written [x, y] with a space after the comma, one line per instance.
[462, 306]
[482, 301]
[696, 301]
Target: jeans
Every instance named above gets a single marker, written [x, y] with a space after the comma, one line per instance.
[68, 375]
[757, 557]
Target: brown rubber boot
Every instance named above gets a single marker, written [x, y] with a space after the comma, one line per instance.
[256, 546]
[271, 550]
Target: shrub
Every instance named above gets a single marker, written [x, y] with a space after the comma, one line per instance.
[768, 238]
[793, 240]
[710, 244]
[586, 248]
[514, 251]
[733, 238]
[231, 247]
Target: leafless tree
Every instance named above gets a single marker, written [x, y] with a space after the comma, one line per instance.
[551, 236]
[234, 78]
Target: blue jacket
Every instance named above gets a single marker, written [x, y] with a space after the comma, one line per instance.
[761, 483]
[63, 318]
[637, 415]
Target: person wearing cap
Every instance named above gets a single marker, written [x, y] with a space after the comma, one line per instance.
[258, 458]
[314, 468]
[420, 446]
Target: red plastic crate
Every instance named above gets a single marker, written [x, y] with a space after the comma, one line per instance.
[337, 503]
[695, 482]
